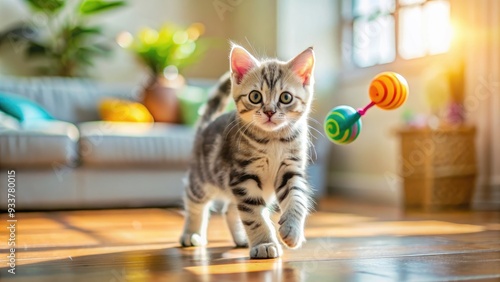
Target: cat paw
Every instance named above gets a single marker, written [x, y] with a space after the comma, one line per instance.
[192, 240]
[266, 251]
[291, 232]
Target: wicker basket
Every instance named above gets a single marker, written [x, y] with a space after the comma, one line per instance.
[438, 167]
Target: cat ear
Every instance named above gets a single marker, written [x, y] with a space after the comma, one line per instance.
[241, 62]
[303, 65]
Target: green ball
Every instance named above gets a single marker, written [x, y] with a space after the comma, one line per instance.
[343, 125]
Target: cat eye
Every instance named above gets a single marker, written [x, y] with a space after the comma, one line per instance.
[255, 97]
[286, 98]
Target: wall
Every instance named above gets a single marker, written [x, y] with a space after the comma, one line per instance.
[480, 35]
[253, 25]
[296, 32]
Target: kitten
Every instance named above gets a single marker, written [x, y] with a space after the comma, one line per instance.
[255, 156]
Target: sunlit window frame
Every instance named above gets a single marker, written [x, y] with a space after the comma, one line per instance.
[347, 35]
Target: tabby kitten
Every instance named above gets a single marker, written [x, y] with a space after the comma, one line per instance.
[254, 157]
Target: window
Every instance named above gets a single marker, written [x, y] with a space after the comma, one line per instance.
[381, 31]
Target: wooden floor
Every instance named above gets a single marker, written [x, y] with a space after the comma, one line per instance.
[346, 242]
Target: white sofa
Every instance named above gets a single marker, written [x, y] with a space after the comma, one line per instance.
[80, 162]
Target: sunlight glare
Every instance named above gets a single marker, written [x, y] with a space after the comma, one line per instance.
[411, 35]
[425, 29]
[438, 26]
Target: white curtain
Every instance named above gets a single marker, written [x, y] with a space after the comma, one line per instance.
[479, 29]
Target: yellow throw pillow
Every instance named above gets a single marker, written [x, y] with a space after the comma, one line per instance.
[123, 110]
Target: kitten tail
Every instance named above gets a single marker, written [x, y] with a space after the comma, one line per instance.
[217, 103]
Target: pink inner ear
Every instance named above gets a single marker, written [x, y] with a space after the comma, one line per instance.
[241, 62]
[303, 65]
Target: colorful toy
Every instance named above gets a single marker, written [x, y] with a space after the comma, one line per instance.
[388, 91]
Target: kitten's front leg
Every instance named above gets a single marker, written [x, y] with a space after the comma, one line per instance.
[294, 200]
[255, 217]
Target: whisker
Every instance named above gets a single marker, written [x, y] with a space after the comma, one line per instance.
[315, 130]
[241, 131]
[235, 123]
[315, 120]
[313, 149]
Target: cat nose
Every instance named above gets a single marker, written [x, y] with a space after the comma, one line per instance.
[269, 113]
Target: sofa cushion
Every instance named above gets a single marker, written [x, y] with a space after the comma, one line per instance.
[69, 99]
[8, 122]
[39, 143]
[132, 144]
[22, 108]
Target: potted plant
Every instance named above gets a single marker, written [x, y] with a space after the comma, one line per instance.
[165, 52]
[67, 43]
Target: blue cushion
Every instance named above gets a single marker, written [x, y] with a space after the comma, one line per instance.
[22, 108]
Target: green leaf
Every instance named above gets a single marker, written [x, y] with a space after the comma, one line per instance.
[84, 58]
[49, 6]
[202, 46]
[94, 50]
[82, 31]
[100, 49]
[89, 7]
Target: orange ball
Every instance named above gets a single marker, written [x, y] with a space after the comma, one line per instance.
[388, 90]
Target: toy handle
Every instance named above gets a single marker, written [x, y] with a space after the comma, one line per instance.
[362, 111]
[350, 121]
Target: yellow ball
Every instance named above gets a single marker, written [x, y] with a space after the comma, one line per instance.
[388, 90]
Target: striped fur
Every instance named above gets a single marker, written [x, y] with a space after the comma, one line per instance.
[255, 157]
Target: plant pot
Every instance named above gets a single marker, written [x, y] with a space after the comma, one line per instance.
[160, 98]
